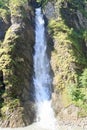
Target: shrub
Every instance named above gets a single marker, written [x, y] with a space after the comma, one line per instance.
[83, 79]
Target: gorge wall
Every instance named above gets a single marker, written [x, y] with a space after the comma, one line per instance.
[67, 29]
[16, 64]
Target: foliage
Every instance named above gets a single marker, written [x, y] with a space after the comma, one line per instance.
[85, 35]
[17, 2]
[11, 6]
[78, 5]
[75, 92]
[4, 13]
[56, 26]
[17, 8]
[4, 9]
[83, 79]
[10, 107]
[76, 37]
[43, 2]
[4, 4]
[7, 64]
[38, 0]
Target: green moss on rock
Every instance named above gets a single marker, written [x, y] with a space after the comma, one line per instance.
[69, 58]
[15, 56]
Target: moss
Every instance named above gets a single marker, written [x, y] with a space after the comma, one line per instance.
[9, 62]
[61, 60]
[81, 102]
[38, 0]
[4, 9]
[4, 14]
[3, 110]
[17, 9]
[10, 7]
[15, 56]
[82, 113]
[68, 59]
[4, 3]
[18, 3]
[9, 107]
[66, 98]
[78, 5]
[14, 104]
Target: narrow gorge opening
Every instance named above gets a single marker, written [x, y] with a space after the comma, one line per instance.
[42, 78]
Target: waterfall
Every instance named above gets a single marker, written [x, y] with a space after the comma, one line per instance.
[42, 78]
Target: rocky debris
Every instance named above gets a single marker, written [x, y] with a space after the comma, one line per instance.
[69, 113]
[80, 124]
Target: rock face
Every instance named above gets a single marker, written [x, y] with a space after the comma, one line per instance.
[16, 63]
[67, 23]
[3, 27]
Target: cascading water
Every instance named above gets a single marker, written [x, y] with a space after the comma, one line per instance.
[42, 79]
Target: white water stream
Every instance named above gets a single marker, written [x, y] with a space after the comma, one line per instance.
[42, 79]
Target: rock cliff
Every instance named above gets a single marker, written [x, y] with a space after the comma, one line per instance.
[16, 65]
[67, 26]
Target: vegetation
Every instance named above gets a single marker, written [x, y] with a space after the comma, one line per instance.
[9, 60]
[8, 7]
[79, 5]
[69, 57]
[4, 9]
[43, 2]
[4, 3]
